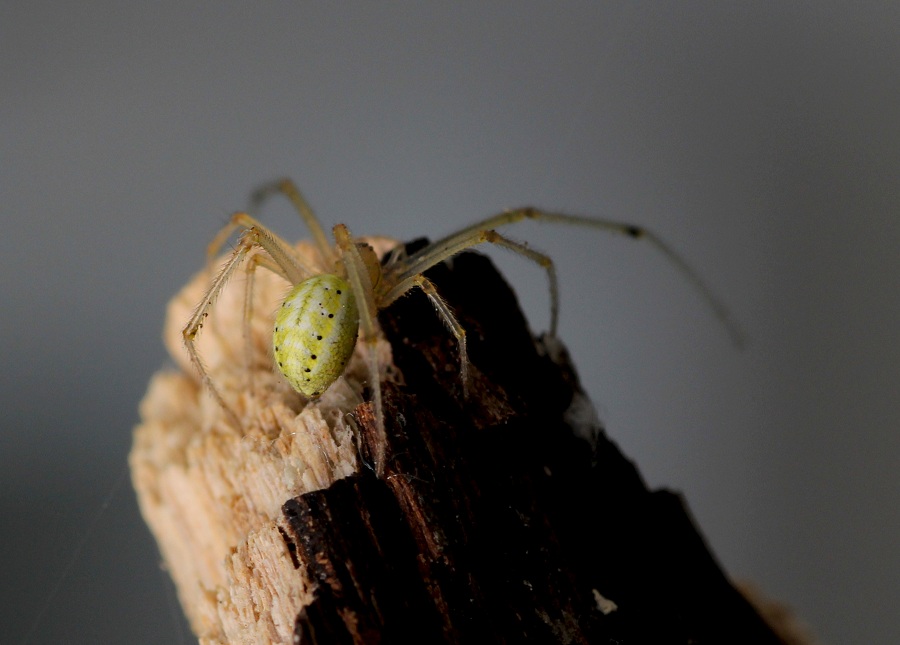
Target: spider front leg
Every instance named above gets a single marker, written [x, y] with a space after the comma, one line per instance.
[407, 272]
[195, 324]
[256, 258]
[289, 189]
[463, 239]
[404, 273]
[242, 220]
[359, 275]
[451, 323]
[444, 311]
[265, 250]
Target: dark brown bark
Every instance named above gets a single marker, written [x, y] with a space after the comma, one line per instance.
[500, 519]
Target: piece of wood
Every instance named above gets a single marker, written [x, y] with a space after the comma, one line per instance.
[212, 493]
[505, 514]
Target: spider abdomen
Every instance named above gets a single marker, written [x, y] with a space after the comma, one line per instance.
[315, 332]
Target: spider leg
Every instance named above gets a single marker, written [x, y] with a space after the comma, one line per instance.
[289, 189]
[279, 259]
[243, 220]
[543, 261]
[255, 259]
[360, 280]
[416, 261]
[435, 253]
[446, 314]
[195, 324]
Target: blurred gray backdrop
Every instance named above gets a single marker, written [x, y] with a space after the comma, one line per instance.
[760, 139]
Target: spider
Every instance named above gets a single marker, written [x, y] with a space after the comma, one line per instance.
[317, 325]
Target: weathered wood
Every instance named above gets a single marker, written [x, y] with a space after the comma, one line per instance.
[518, 527]
[505, 514]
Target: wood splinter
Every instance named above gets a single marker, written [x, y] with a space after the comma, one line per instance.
[503, 516]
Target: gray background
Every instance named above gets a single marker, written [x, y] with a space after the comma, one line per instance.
[761, 140]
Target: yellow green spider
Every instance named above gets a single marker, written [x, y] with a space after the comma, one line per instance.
[317, 325]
